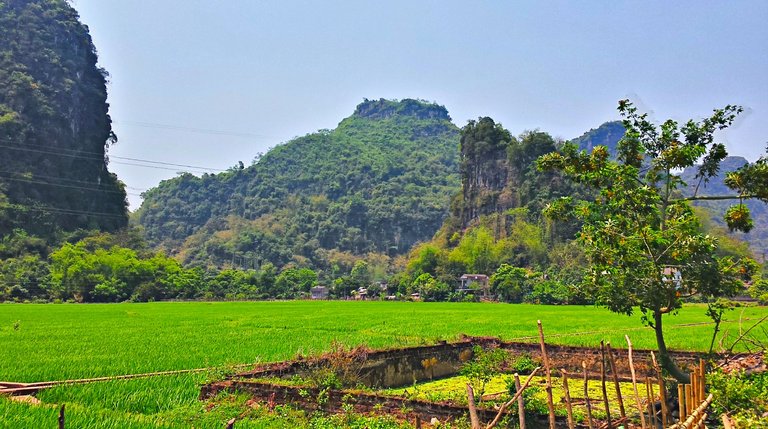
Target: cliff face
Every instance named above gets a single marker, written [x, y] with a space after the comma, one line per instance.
[484, 169]
[54, 123]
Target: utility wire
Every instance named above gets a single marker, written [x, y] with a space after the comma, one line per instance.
[50, 209]
[194, 130]
[39, 176]
[99, 157]
[61, 185]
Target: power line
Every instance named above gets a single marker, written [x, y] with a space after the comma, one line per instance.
[58, 210]
[39, 176]
[195, 130]
[100, 157]
[61, 185]
[157, 167]
[167, 163]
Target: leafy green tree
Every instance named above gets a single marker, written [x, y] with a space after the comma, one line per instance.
[642, 239]
[511, 284]
[296, 282]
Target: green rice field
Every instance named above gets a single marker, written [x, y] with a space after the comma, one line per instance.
[58, 342]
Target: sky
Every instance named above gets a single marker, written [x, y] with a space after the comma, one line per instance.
[208, 84]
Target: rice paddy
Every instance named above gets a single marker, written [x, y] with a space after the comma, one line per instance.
[58, 342]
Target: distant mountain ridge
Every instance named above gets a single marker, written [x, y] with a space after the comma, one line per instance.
[609, 134]
[380, 182]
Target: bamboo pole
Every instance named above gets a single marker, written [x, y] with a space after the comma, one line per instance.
[520, 403]
[586, 396]
[681, 401]
[61, 417]
[689, 404]
[726, 421]
[634, 383]
[697, 414]
[703, 381]
[694, 385]
[602, 383]
[567, 394]
[612, 362]
[550, 404]
[662, 392]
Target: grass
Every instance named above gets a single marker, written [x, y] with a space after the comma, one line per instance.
[56, 342]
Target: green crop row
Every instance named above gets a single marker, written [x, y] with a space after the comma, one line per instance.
[55, 342]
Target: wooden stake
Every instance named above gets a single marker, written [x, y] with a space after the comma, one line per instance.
[602, 382]
[612, 362]
[634, 383]
[231, 423]
[474, 420]
[61, 417]
[418, 422]
[567, 393]
[504, 406]
[662, 392]
[586, 396]
[650, 399]
[520, 403]
[550, 404]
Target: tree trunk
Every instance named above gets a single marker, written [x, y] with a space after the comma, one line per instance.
[664, 358]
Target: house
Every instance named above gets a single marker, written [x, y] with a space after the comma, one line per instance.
[474, 282]
[318, 292]
[361, 294]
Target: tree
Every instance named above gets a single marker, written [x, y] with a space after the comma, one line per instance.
[642, 239]
[296, 282]
[511, 284]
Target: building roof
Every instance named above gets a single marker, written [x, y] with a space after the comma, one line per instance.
[474, 277]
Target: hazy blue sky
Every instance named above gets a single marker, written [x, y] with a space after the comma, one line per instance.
[210, 83]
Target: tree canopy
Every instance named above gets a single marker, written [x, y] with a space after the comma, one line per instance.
[644, 243]
[378, 183]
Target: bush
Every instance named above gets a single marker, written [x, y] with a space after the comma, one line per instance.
[743, 397]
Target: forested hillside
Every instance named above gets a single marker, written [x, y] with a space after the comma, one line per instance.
[378, 183]
[54, 124]
[497, 227]
[758, 236]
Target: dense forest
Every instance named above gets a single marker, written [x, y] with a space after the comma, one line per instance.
[54, 125]
[396, 196]
[369, 189]
[497, 227]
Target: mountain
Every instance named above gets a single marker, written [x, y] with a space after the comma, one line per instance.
[378, 183]
[54, 124]
[607, 134]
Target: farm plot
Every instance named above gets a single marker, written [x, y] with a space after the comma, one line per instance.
[58, 342]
